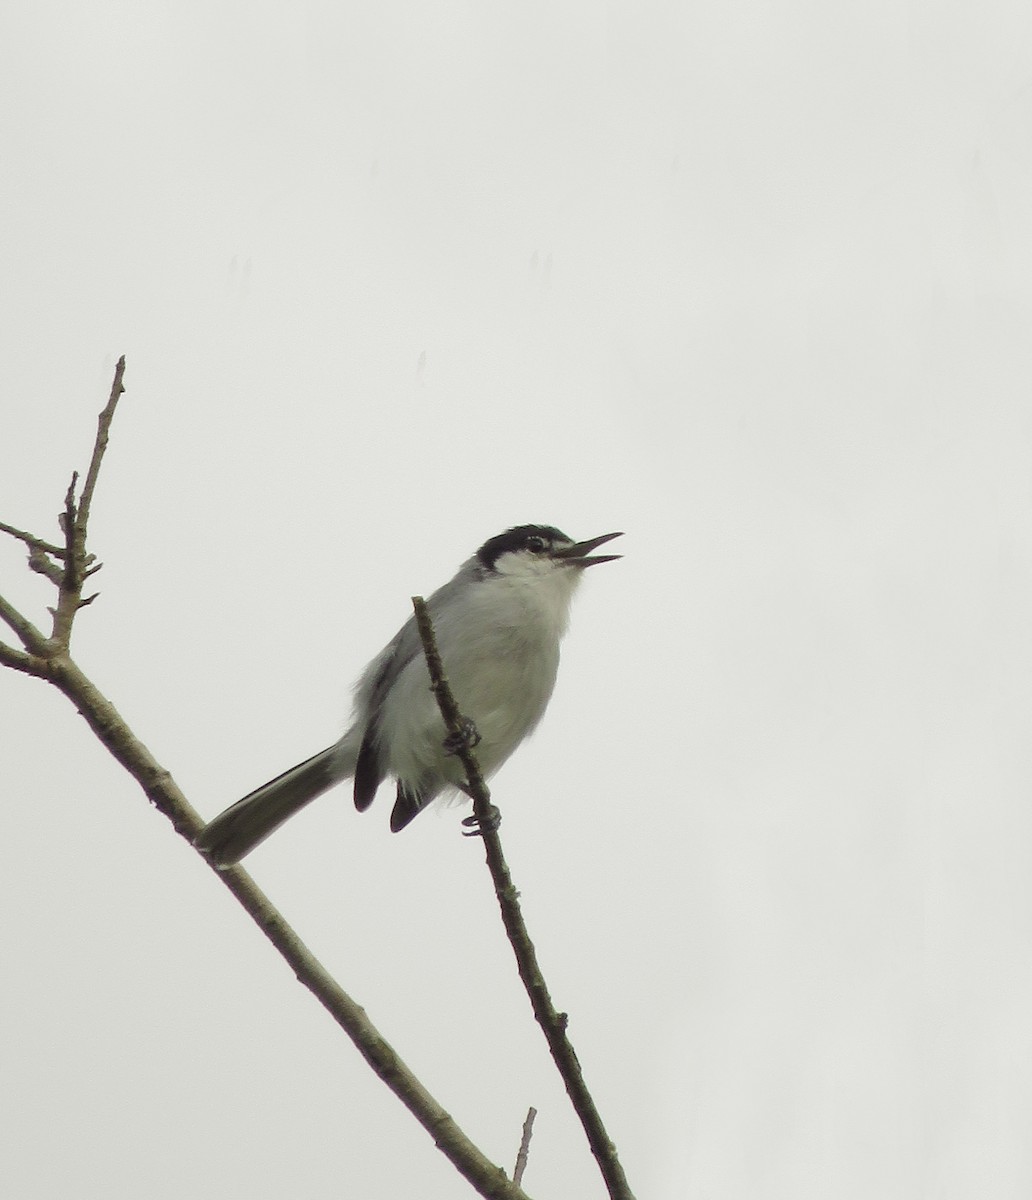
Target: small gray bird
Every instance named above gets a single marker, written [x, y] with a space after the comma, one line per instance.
[498, 623]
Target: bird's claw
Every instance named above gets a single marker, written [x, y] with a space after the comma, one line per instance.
[477, 828]
[464, 738]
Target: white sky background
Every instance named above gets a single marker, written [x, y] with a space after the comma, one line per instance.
[749, 282]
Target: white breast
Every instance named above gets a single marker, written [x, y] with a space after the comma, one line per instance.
[499, 643]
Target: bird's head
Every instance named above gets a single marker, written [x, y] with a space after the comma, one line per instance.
[536, 550]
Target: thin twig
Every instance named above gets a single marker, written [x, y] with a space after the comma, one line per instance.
[40, 562]
[452, 717]
[552, 1023]
[524, 1150]
[75, 518]
[31, 540]
[67, 519]
[70, 583]
[31, 638]
[99, 446]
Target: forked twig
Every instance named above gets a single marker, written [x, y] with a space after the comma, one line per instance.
[49, 658]
[68, 566]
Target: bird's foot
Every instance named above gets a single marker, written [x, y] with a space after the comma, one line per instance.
[477, 828]
[464, 738]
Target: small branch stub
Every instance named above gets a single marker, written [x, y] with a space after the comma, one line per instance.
[524, 1151]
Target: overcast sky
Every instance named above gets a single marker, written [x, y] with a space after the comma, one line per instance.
[748, 281]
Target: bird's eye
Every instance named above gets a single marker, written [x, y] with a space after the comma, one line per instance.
[537, 544]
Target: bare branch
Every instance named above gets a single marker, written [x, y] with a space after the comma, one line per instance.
[30, 636]
[99, 446]
[524, 1151]
[41, 564]
[30, 540]
[67, 520]
[105, 721]
[75, 519]
[70, 582]
[18, 660]
[552, 1023]
[40, 553]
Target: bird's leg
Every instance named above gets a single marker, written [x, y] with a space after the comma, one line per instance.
[465, 737]
[477, 828]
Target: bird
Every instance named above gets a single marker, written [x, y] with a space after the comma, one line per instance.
[498, 622]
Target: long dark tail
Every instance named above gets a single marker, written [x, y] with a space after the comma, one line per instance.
[249, 822]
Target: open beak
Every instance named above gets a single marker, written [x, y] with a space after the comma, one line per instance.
[580, 554]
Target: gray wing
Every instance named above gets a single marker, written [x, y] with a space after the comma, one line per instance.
[373, 690]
